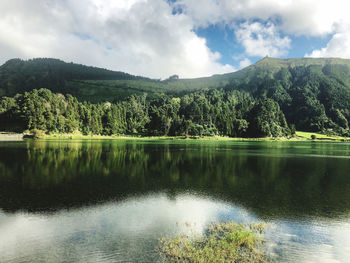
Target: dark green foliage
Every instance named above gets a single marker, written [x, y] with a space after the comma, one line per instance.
[267, 119]
[163, 112]
[136, 114]
[10, 119]
[114, 120]
[207, 113]
[38, 134]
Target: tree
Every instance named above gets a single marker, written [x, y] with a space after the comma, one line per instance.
[267, 120]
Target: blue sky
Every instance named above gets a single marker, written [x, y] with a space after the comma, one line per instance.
[222, 39]
[159, 38]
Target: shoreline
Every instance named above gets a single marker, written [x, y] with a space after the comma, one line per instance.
[11, 136]
[299, 137]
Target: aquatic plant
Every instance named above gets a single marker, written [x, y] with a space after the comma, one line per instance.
[221, 242]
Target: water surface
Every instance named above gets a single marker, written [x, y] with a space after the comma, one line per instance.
[110, 201]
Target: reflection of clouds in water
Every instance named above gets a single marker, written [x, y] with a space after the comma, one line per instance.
[19, 230]
[129, 230]
[312, 241]
[114, 230]
[136, 215]
[237, 214]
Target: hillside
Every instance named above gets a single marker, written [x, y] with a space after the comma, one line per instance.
[96, 84]
[90, 83]
[18, 76]
[313, 94]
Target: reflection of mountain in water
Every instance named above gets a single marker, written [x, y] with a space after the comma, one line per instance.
[272, 179]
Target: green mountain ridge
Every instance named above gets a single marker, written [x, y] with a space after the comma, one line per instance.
[17, 75]
[96, 84]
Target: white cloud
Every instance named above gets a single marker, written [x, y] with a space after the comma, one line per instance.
[338, 46]
[144, 37]
[261, 40]
[139, 36]
[97, 227]
[244, 63]
[299, 17]
[310, 18]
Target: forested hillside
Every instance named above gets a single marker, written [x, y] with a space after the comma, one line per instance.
[206, 113]
[270, 98]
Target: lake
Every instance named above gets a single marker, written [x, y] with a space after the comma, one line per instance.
[111, 200]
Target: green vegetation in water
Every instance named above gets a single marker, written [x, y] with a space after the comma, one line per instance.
[222, 242]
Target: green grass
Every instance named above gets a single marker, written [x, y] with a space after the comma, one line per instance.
[319, 136]
[222, 242]
[299, 136]
[79, 136]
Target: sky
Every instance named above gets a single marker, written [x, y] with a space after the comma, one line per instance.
[160, 38]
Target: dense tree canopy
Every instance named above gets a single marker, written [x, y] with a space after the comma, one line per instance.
[205, 113]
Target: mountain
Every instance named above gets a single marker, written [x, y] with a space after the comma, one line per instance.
[18, 76]
[313, 93]
[90, 83]
[96, 84]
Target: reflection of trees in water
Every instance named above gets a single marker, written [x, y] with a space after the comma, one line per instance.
[56, 174]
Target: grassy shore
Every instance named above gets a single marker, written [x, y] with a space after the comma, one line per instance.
[319, 136]
[125, 137]
[299, 136]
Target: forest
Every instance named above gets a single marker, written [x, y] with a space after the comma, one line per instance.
[271, 98]
[205, 113]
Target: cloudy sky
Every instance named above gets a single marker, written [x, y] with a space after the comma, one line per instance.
[159, 38]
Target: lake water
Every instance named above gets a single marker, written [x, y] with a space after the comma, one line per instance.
[110, 201]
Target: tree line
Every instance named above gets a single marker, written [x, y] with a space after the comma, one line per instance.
[222, 112]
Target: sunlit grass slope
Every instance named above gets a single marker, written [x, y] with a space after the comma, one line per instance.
[314, 135]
